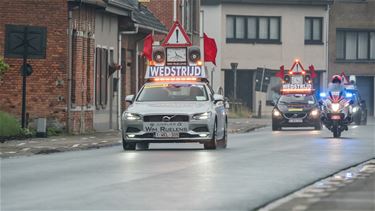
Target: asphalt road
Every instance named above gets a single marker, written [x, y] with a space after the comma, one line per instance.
[257, 167]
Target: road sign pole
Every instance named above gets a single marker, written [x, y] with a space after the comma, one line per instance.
[23, 112]
[234, 68]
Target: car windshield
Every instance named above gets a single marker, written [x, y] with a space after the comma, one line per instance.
[173, 92]
[298, 99]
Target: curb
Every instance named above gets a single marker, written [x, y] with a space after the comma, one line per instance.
[311, 194]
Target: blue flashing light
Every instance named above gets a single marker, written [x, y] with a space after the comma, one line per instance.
[349, 95]
[322, 94]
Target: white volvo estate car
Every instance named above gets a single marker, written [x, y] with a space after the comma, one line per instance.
[174, 109]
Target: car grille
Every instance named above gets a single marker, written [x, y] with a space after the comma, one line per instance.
[172, 118]
[132, 130]
[201, 129]
[295, 115]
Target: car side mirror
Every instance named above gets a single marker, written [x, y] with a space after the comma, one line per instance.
[129, 99]
[218, 98]
[363, 101]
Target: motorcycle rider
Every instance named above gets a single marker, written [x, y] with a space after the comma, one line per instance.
[336, 85]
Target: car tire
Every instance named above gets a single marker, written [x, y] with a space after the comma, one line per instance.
[275, 127]
[365, 120]
[357, 120]
[318, 126]
[143, 146]
[224, 140]
[128, 146]
[212, 144]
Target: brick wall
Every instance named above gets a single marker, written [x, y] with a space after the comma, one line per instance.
[350, 15]
[83, 51]
[45, 97]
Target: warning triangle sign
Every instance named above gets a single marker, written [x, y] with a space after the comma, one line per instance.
[177, 37]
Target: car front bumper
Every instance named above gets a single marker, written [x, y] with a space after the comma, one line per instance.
[308, 121]
[199, 131]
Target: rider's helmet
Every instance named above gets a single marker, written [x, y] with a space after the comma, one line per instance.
[336, 79]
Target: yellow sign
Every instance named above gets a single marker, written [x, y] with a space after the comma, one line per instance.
[155, 86]
[295, 109]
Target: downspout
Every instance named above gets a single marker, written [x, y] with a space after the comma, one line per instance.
[119, 83]
[68, 125]
[119, 72]
[174, 10]
[325, 76]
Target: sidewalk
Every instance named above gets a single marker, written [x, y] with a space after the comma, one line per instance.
[97, 140]
[351, 189]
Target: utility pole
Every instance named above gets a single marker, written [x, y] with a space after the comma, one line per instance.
[234, 66]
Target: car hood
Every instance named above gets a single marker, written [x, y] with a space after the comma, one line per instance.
[145, 108]
[295, 107]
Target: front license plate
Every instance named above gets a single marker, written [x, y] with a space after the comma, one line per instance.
[295, 120]
[166, 127]
[336, 117]
[167, 135]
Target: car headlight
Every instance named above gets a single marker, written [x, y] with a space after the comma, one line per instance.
[132, 116]
[335, 107]
[314, 112]
[202, 116]
[276, 112]
[355, 109]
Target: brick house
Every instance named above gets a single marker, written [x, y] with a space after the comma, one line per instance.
[76, 85]
[187, 13]
[352, 44]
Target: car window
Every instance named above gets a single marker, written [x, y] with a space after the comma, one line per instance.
[302, 99]
[173, 92]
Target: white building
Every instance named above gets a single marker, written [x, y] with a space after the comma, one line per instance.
[265, 34]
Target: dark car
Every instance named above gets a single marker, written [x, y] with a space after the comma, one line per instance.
[296, 110]
[359, 111]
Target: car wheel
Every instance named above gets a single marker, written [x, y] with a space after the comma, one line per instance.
[224, 140]
[275, 127]
[357, 120]
[365, 120]
[143, 146]
[318, 126]
[128, 146]
[212, 144]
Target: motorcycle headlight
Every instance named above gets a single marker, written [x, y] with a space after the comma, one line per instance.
[202, 116]
[276, 112]
[132, 116]
[355, 109]
[335, 107]
[314, 112]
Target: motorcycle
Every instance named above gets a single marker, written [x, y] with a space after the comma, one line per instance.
[336, 111]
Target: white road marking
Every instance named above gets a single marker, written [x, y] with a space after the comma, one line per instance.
[11, 152]
[75, 145]
[25, 149]
[20, 144]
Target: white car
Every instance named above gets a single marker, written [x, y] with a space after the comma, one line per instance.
[174, 111]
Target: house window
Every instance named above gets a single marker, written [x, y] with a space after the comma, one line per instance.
[253, 29]
[355, 45]
[313, 30]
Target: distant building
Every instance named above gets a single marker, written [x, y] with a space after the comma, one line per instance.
[187, 13]
[78, 84]
[352, 44]
[265, 34]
